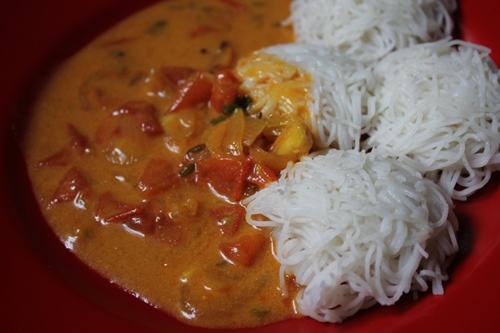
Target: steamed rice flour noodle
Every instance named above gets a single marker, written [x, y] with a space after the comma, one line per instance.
[327, 88]
[356, 229]
[367, 30]
[438, 110]
[404, 120]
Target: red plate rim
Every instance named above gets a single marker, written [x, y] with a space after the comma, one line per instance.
[45, 288]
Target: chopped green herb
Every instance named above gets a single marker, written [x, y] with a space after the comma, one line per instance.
[229, 109]
[260, 313]
[223, 45]
[88, 234]
[135, 80]
[217, 120]
[245, 102]
[258, 18]
[117, 53]
[206, 9]
[156, 27]
[242, 102]
[186, 170]
[221, 263]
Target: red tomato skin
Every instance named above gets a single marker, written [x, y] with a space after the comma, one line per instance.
[137, 115]
[72, 187]
[143, 114]
[261, 175]
[111, 210]
[77, 146]
[225, 176]
[229, 218]
[197, 89]
[177, 75]
[157, 176]
[225, 89]
[244, 250]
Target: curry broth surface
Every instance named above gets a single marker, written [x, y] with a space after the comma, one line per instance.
[73, 131]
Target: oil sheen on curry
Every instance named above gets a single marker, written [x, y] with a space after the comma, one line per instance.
[140, 149]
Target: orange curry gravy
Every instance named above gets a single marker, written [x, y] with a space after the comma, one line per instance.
[117, 153]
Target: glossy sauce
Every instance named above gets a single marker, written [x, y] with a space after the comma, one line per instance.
[108, 164]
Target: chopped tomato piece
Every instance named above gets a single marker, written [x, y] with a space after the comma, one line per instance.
[61, 158]
[108, 129]
[229, 218]
[244, 250]
[291, 287]
[78, 145]
[123, 135]
[131, 118]
[166, 230]
[148, 220]
[78, 142]
[261, 175]
[197, 89]
[143, 114]
[111, 210]
[225, 89]
[177, 75]
[225, 176]
[145, 223]
[169, 231]
[72, 187]
[157, 177]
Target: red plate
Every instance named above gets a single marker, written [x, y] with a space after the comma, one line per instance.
[45, 289]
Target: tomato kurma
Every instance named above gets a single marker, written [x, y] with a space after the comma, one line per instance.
[140, 148]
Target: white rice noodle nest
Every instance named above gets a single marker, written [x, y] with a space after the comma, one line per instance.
[438, 110]
[367, 30]
[356, 229]
[340, 92]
